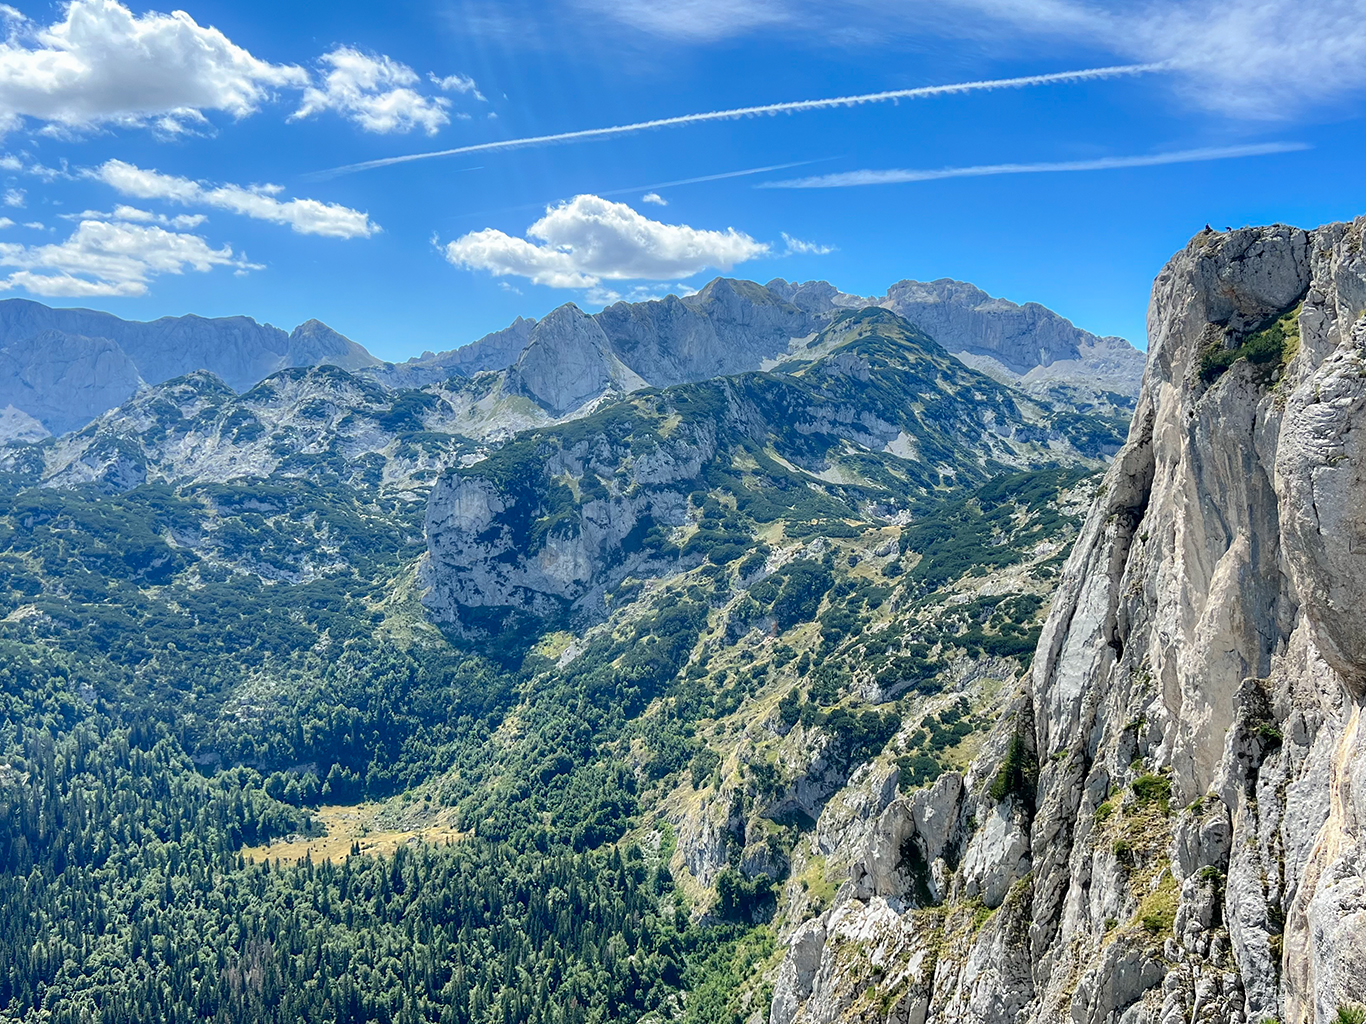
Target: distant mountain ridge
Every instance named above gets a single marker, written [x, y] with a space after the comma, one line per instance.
[60, 368]
[63, 367]
[734, 326]
[1024, 344]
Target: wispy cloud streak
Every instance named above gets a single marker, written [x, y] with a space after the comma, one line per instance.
[851, 179]
[791, 107]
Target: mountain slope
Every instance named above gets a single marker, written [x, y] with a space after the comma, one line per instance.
[316, 423]
[689, 643]
[874, 418]
[1167, 823]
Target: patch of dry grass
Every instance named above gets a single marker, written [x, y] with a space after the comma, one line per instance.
[348, 824]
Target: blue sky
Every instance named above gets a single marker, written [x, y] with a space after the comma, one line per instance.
[158, 163]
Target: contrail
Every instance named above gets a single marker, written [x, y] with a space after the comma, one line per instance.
[793, 107]
[711, 177]
[849, 179]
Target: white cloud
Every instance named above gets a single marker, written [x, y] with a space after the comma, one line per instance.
[17, 163]
[180, 222]
[654, 197]
[1264, 59]
[796, 247]
[14, 197]
[36, 225]
[457, 83]
[851, 179]
[306, 216]
[101, 63]
[374, 92]
[586, 240]
[134, 215]
[5, 222]
[104, 258]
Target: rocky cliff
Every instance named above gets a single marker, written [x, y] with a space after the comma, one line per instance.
[568, 362]
[1169, 824]
[728, 327]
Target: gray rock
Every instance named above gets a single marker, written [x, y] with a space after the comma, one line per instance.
[732, 326]
[726, 328]
[1208, 630]
[309, 421]
[568, 362]
[495, 351]
[1028, 345]
[18, 427]
[798, 971]
[313, 343]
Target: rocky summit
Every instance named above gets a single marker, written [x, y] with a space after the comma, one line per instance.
[768, 655]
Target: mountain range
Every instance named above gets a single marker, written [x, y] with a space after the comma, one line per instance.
[59, 368]
[768, 653]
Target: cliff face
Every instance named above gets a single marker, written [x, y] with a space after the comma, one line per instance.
[64, 380]
[726, 328]
[568, 362]
[1170, 825]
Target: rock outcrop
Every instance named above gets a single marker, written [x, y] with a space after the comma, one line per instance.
[1170, 822]
[568, 362]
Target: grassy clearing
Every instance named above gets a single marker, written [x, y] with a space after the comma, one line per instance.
[353, 824]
